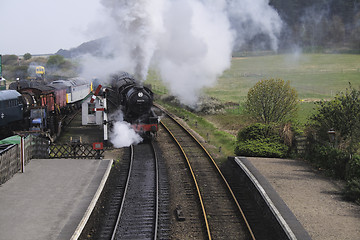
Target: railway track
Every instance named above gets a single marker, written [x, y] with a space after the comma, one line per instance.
[222, 216]
[138, 214]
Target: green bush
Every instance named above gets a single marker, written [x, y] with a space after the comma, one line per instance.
[353, 168]
[260, 140]
[255, 132]
[352, 190]
[332, 160]
[338, 164]
[261, 148]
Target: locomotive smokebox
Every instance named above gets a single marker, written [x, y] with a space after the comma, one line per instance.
[139, 100]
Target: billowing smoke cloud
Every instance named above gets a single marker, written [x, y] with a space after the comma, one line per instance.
[122, 134]
[189, 42]
[250, 18]
[195, 48]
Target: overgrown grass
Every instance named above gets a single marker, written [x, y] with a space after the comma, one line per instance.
[223, 143]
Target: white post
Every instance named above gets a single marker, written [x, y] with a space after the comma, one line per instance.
[22, 153]
[105, 121]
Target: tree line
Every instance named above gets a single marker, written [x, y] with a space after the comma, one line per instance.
[319, 24]
[24, 67]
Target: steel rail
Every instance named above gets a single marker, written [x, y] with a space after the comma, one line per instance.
[216, 166]
[156, 196]
[125, 191]
[157, 192]
[194, 179]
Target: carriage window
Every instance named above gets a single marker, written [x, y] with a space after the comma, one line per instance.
[91, 107]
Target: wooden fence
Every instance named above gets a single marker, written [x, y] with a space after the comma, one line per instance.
[77, 150]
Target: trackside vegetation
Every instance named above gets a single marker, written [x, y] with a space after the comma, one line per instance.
[273, 104]
[260, 140]
[333, 137]
[332, 133]
[337, 157]
[272, 101]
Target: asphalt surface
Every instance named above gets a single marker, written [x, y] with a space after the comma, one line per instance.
[51, 199]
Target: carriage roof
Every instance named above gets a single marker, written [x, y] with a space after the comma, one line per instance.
[9, 94]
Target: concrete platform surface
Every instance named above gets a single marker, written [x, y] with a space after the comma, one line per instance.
[50, 200]
[315, 199]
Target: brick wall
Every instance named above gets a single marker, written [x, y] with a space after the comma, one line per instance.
[9, 163]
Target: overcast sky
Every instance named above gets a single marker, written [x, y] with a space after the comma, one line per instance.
[45, 26]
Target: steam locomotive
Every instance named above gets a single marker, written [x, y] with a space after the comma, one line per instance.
[135, 101]
[39, 106]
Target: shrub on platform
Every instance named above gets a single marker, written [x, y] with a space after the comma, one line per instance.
[260, 140]
[352, 190]
[261, 148]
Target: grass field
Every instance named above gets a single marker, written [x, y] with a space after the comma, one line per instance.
[314, 76]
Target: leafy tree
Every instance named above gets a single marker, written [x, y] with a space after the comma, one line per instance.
[27, 56]
[56, 61]
[355, 33]
[9, 59]
[342, 114]
[337, 30]
[272, 101]
[21, 72]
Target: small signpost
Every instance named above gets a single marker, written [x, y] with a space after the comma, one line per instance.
[98, 146]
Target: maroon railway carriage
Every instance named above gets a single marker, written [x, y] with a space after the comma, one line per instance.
[51, 98]
[44, 105]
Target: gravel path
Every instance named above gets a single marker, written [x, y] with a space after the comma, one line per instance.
[315, 200]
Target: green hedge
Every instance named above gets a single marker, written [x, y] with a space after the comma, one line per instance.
[332, 160]
[260, 140]
[338, 164]
[354, 167]
[352, 189]
[261, 148]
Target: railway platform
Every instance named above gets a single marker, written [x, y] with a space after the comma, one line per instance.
[52, 199]
[315, 200]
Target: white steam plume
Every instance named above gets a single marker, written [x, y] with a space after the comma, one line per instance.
[189, 42]
[253, 17]
[195, 47]
[122, 134]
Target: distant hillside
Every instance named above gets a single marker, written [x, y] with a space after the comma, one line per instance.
[92, 47]
[312, 25]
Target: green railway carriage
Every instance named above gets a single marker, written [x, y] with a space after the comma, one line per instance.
[11, 107]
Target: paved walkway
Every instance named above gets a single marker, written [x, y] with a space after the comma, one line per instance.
[315, 200]
[50, 200]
